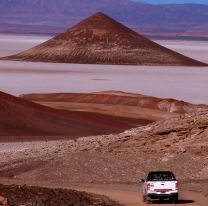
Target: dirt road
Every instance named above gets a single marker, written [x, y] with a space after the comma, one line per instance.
[130, 195]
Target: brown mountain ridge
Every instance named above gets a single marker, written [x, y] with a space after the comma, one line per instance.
[19, 117]
[100, 39]
[116, 103]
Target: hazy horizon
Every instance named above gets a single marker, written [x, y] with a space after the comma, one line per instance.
[173, 1]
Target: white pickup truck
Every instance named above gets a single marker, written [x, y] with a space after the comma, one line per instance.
[160, 185]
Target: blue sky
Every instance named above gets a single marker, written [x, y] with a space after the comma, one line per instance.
[174, 1]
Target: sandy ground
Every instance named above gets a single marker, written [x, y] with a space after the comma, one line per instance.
[130, 195]
[194, 49]
[12, 44]
[182, 83]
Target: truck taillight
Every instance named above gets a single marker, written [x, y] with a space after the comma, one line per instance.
[148, 186]
[176, 185]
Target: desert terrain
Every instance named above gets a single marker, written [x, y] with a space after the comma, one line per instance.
[19, 195]
[117, 104]
[183, 83]
[109, 164]
[105, 164]
[99, 39]
[194, 49]
[23, 118]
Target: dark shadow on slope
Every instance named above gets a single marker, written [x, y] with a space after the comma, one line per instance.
[181, 201]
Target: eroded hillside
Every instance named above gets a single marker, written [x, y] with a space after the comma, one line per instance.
[179, 144]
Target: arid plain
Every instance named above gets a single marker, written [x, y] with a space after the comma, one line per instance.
[183, 83]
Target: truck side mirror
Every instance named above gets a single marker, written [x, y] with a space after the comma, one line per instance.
[142, 180]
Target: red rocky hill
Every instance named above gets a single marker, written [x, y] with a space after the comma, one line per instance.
[19, 117]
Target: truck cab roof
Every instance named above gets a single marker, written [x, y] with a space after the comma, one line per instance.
[161, 176]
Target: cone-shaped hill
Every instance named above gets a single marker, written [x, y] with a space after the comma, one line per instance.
[100, 39]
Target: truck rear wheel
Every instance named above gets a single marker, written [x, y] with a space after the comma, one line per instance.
[144, 198]
[174, 200]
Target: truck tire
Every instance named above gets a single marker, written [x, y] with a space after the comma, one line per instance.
[174, 200]
[144, 198]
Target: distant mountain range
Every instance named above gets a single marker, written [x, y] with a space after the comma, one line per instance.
[53, 16]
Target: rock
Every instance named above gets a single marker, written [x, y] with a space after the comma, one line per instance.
[182, 150]
[4, 201]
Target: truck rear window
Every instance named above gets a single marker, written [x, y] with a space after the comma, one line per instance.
[161, 176]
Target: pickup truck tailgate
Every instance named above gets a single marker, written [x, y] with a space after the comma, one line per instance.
[162, 186]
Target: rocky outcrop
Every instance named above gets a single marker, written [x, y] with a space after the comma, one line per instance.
[36, 196]
[4, 201]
